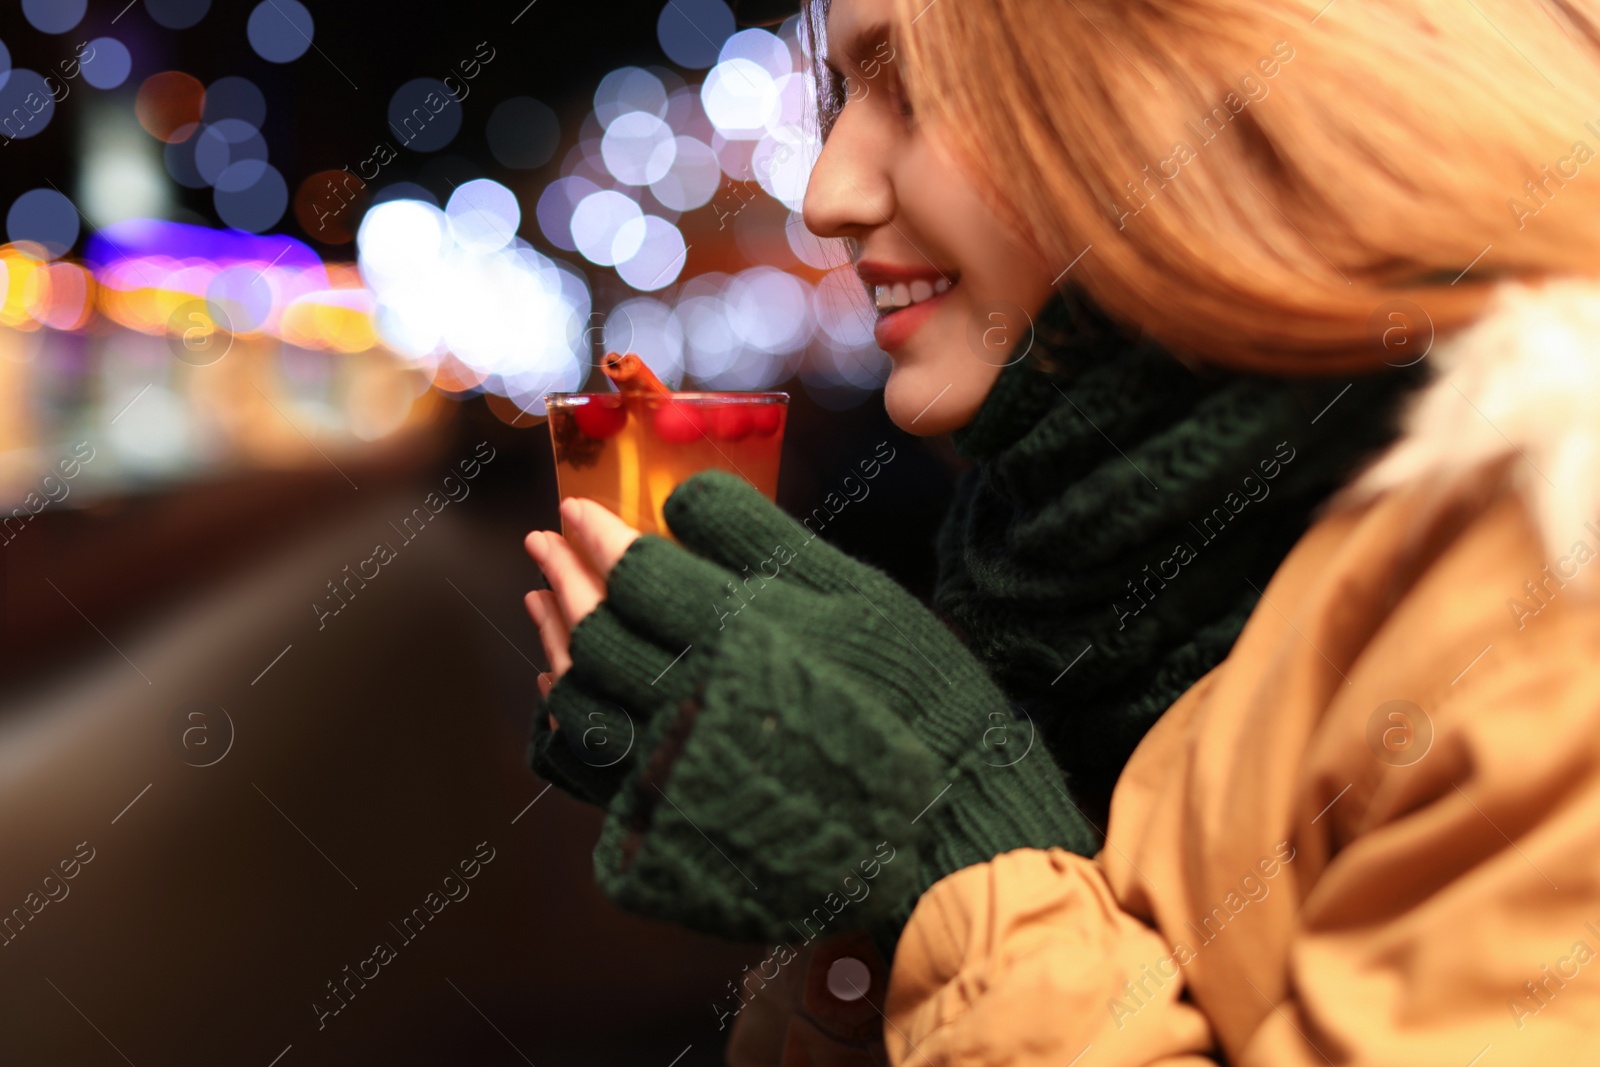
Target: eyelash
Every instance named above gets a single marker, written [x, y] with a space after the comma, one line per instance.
[839, 95]
[902, 101]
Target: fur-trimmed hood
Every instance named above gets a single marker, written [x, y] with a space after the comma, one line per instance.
[1523, 380]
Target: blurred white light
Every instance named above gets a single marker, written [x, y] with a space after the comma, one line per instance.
[760, 47]
[153, 434]
[693, 179]
[527, 389]
[595, 222]
[770, 310]
[842, 308]
[649, 328]
[710, 344]
[751, 371]
[496, 298]
[629, 89]
[658, 256]
[813, 251]
[484, 215]
[797, 98]
[400, 241]
[782, 163]
[411, 317]
[556, 204]
[733, 155]
[120, 175]
[740, 97]
[245, 295]
[638, 148]
[858, 366]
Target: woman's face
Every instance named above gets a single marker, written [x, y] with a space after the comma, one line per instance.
[954, 289]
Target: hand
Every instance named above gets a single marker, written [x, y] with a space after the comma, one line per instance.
[576, 577]
[793, 720]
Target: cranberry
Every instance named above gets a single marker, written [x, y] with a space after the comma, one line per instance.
[730, 423]
[765, 418]
[678, 423]
[600, 420]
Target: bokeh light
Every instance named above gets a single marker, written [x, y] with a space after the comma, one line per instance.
[740, 97]
[233, 97]
[760, 47]
[770, 309]
[523, 133]
[107, 63]
[423, 115]
[656, 252]
[693, 178]
[596, 222]
[483, 215]
[54, 16]
[691, 32]
[26, 104]
[245, 295]
[45, 217]
[177, 14]
[443, 283]
[169, 105]
[222, 144]
[280, 31]
[638, 148]
[251, 195]
[555, 207]
[629, 89]
[328, 205]
[178, 155]
[647, 327]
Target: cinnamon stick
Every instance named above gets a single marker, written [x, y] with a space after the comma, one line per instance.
[630, 374]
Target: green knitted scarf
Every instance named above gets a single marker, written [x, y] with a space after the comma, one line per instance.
[1121, 516]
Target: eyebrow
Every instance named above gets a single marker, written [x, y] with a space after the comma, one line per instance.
[866, 40]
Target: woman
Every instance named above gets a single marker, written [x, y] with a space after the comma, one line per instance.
[1300, 850]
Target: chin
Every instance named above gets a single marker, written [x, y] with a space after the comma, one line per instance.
[909, 398]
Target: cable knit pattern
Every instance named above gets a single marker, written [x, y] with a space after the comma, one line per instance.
[780, 751]
[1096, 458]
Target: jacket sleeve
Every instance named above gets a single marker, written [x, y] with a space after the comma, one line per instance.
[1025, 960]
[1456, 914]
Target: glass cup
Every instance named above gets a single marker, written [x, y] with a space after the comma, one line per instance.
[629, 451]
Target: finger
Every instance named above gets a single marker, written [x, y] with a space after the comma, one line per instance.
[576, 586]
[596, 532]
[554, 634]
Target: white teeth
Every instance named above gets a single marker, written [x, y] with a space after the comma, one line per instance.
[899, 295]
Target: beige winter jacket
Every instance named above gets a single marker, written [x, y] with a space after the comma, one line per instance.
[1372, 834]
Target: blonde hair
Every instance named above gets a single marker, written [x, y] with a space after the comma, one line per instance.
[1262, 183]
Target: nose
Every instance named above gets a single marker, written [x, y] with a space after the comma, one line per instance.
[851, 191]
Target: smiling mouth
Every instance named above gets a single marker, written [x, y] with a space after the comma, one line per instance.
[891, 297]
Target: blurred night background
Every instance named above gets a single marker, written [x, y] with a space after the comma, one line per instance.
[273, 276]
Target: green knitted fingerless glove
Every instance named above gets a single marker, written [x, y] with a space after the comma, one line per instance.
[811, 745]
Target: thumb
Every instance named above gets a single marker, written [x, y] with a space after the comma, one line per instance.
[724, 518]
